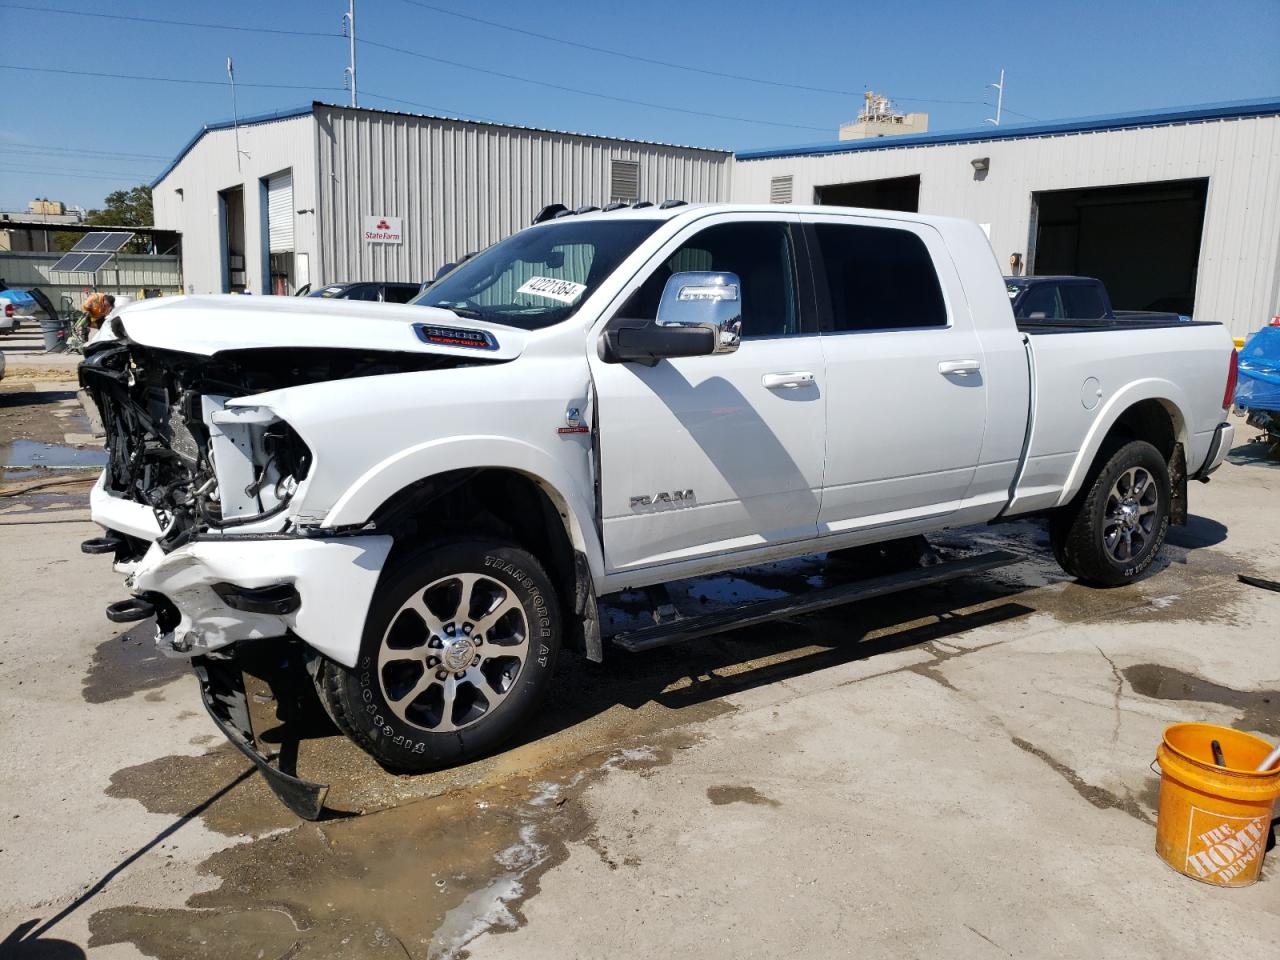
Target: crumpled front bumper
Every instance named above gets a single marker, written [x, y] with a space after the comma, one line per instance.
[334, 577]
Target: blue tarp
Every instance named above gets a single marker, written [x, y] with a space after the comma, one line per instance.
[1259, 384]
[19, 298]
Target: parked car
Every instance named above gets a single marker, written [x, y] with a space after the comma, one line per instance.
[425, 503]
[380, 292]
[1073, 299]
[15, 307]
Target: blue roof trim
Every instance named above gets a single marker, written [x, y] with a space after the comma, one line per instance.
[1234, 109]
[227, 125]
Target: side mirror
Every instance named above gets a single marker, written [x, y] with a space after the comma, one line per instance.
[700, 313]
[707, 300]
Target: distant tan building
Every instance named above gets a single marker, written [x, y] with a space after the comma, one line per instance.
[18, 238]
[879, 119]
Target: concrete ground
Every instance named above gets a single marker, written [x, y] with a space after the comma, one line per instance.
[962, 771]
[26, 359]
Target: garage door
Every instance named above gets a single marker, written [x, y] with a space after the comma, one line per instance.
[1142, 240]
[280, 212]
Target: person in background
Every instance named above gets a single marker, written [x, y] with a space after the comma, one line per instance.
[97, 307]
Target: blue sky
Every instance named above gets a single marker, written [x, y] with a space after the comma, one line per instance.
[1062, 59]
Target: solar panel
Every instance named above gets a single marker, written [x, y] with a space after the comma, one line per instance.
[88, 242]
[101, 241]
[92, 251]
[68, 262]
[93, 262]
[112, 242]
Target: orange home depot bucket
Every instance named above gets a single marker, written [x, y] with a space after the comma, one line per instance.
[1214, 821]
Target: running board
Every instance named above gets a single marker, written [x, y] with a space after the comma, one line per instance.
[690, 628]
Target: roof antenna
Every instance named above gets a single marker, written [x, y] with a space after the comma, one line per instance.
[349, 31]
[999, 87]
[235, 115]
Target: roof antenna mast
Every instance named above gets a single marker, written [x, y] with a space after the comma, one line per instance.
[235, 114]
[349, 31]
[999, 87]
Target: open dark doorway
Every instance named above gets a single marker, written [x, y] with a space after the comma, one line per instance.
[895, 193]
[232, 211]
[1141, 240]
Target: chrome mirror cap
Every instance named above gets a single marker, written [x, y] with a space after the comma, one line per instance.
[704, 299]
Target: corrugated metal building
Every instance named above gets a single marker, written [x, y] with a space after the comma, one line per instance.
[1173, 210]
[330, 193]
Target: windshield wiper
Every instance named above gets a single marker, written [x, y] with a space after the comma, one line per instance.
[465, 312]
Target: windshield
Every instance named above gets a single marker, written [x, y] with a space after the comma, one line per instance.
[540, 276]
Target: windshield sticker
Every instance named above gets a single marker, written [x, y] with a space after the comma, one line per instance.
[566, 291]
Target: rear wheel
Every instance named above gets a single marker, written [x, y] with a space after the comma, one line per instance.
[1113, 531]
[458, 650]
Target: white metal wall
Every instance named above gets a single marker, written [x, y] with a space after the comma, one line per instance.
[1239, 277]
[187, 198]
[461, 186]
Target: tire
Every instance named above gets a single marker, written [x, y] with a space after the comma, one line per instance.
[1113, 531]
[426, 691]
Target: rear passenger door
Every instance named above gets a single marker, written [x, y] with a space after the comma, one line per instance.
[906, 400]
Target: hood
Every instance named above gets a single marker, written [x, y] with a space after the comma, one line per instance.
[208, 325]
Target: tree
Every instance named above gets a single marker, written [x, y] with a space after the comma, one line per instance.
[121, 208]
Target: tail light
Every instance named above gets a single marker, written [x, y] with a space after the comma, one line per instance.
[8, 310]
[1233, 372]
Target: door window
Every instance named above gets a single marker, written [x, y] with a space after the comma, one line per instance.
[879, 278]
[763, 257]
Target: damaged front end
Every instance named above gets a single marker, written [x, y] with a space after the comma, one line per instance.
[196, 503]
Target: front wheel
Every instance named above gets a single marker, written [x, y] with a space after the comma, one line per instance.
[458, 650]
[1113, 531]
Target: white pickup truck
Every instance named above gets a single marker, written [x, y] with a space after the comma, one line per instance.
[424, 502]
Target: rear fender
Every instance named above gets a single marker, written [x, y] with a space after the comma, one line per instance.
[1168, 394]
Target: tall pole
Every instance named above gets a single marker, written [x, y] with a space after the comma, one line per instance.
[999, 98]
[349, 24]
[235, 114]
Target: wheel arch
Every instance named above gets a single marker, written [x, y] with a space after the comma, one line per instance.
[1151, 410]
[519, 505]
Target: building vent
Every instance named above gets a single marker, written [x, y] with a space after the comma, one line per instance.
[624, 180]
[780, 190]
[280, 212]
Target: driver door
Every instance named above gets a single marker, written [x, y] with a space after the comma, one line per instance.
[705, 455]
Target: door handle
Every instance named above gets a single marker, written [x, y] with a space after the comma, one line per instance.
[788, 381]
[961, 368]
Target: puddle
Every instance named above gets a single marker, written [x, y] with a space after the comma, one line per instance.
[33, 453]
[130, 662]
[420, 880]
[725, 793]
[1259, 709]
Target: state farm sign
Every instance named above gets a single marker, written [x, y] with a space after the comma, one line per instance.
[382, 230]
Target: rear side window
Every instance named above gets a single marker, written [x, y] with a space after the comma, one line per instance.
[1083, 301]
[400, 293]
[879, 278]
[1041, 302]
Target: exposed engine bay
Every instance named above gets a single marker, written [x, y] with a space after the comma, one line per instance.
[175, 446]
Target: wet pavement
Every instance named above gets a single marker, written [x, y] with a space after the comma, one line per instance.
[980, 746]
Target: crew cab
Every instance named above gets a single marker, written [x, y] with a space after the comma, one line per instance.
[422, 504]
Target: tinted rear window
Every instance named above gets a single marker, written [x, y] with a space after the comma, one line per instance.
[1083, 301]
[879, 278]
